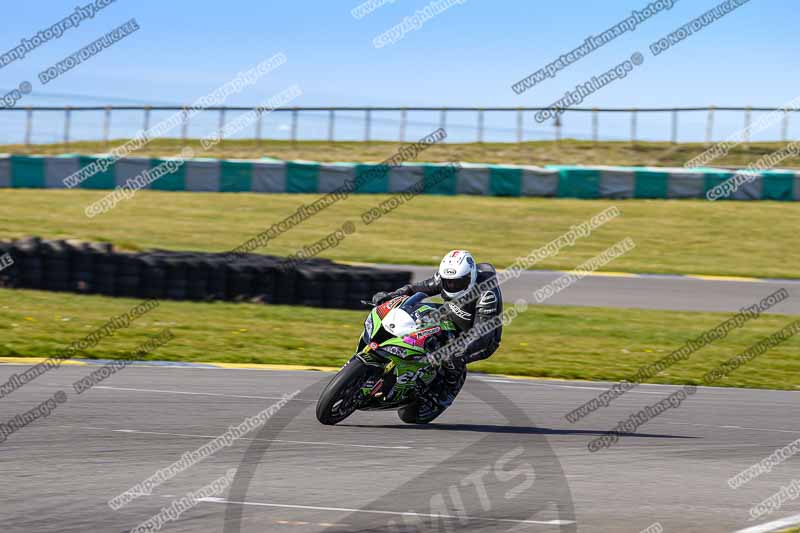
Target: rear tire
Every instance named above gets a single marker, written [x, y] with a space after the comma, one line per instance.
[338, 400]
[410, 414]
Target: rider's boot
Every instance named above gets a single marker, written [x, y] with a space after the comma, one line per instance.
[453, 377]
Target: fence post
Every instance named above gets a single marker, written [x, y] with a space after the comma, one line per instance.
[710, 125]
[403, 118]
[28, 126]
[595, 124]
[443, 119]
[146, 120]
[480, 125]
[294, 125]
[748, 116]
[367, 124]
[259, 124]
[519, 126]
[184, 126]
[674, 136]
[634, 113]
[67, 120]
[785, 125]
[221, 124]
[557, 124]
[106, 126]
[331, 125]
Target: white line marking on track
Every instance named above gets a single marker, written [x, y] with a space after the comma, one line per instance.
[775, 430]
[202, 394]
[775, 525]
[733, 427]
[395, 513]
[604, 389]
[313, 443]
[599, 386]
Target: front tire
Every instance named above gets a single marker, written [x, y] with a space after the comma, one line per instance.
[338, 400]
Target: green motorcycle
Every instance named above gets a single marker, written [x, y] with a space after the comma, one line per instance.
[391, 367]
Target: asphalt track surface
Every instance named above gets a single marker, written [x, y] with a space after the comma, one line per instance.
[503, 452]
[678, 293]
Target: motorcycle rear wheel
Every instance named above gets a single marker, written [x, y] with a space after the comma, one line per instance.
[418, 412]
[339, 399]
[410, 414]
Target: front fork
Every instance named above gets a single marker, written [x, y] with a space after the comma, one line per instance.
[382, 383]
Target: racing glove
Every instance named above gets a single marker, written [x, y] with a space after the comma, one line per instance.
[379, 298]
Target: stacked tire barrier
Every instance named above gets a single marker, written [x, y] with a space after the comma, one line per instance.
[96, 268]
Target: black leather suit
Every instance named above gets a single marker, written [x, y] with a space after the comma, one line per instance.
[466, 315]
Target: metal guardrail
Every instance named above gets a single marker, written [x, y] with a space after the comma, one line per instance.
[403, 112]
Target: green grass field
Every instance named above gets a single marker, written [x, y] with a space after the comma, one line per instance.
[697, 237]
[565, 152]
[672, 236]
[564, 342]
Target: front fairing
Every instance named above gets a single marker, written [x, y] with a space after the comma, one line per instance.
[396, 382]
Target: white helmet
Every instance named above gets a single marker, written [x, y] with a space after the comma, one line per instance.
[458, 273]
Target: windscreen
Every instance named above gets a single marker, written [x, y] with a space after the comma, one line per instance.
[413, 303]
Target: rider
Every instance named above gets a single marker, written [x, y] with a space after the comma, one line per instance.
[471, 296]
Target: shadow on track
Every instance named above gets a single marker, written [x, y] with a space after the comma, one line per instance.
[489, 428]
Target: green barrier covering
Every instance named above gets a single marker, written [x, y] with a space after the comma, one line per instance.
[236, 176]
[171, 181]
[27, 172]
[778, 186]
[439, 179]
[578, 183]
[712, 179]
[505, 181]
[302, 177]
[647, 184]
[101, 180]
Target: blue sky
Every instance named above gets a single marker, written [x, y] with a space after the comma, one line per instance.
[468, 55]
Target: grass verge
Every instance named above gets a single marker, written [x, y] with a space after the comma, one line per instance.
[672, 236]
[562, 342]
[565, 152]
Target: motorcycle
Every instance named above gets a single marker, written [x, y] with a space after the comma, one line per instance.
[391, 367]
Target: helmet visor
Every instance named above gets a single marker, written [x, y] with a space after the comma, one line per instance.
[455, 285]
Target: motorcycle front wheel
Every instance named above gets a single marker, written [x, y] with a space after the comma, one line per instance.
[339, 399]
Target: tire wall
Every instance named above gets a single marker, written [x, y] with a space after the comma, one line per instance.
[96, 268]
